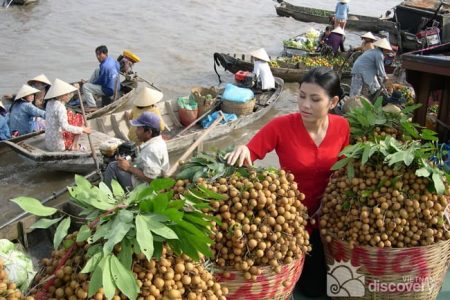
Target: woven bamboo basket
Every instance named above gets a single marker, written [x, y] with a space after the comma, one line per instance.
[231, 107]
[415, 273]
[268, 285]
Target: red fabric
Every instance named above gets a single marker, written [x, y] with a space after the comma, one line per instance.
[298, 153]
[73, 119]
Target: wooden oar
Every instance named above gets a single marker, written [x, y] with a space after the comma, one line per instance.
[191, 149]
[198, 119]
[140, 78]
[94, 156]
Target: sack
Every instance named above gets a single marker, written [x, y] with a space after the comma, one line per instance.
[209, 119]
[237, 94]
[188, 111]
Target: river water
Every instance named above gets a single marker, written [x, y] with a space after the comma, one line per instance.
[175, 40]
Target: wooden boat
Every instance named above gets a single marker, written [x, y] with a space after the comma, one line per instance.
[117, 125]
[33, 148]
[357, 22]
[288, 74]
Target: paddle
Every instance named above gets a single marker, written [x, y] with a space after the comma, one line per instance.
[191, 149]
[9, 4]
[142, 79]
[94, 157]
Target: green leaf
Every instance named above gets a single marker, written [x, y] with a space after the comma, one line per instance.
[107, 279]
[119, 229]
[45, 223]
[176, 204]
[210, 194]
[94, 249]
[82, 182]
[100, 232]
[438, 184]
[340, 163]
[126, 254]
[67, 244]
[117, 189]
[61, 232]
[84, 233]
[350, 170]
[144, 237]
[158, 250]
[96, 279]
[34, 206]
[161, 201]
[365, 156]
[159, 228]
[161, 184]
[422, 172]
[428, 135]
[92, 263]
[124, 279]
[173, 214]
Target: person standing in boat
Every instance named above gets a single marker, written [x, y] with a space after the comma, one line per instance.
[262, 70]
[145, 100]
[104, 81]
[307, 143]
[151, 161]
[335, 41]
[57, 119]
[23, 112]
[5, 133]
[368, 69]
[341, 13]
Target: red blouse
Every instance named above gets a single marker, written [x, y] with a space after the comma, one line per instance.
[298, 153]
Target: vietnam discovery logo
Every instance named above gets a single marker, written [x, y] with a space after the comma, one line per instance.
[343, 280]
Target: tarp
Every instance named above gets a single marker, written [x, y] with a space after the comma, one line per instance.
[428, 5]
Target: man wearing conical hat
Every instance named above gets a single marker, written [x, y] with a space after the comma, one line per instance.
[145, 100]
[368, 69]
[41, 83]
[57, 119]
[23, 112]
[5, 134]
[262, 70]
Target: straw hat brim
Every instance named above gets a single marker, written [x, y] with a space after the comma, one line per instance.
[147, 96]
[59, 88]
[344, 1]
[26, 90]
[369, 35]
[383, 44]
[338, 30]
[260, 54]
[40, 78]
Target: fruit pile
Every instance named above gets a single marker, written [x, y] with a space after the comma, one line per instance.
[8, 290]
[262, 218]
[169, 277]
[313, 61]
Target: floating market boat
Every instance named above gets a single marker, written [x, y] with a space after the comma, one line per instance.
[117, 125]
[316, 15]
[287, 72]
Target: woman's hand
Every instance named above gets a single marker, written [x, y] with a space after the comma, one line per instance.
[242, 153]
[87, 130]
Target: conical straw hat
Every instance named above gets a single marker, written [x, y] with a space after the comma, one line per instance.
[383, 44]
[1, 104]
[338, 30]
[26, 90]
[59, 88]
[260, 54]
[147, 96]
[344, 1]
[40, 78]
[369, 35]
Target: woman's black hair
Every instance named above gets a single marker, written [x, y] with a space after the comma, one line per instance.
[327, 79]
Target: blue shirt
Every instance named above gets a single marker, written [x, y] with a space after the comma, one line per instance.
[5, 134]
[341, 11]
[21, 116]
[369, 65]
[109, 72]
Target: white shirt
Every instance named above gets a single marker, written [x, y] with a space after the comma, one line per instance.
[152, 159]
[263, 72]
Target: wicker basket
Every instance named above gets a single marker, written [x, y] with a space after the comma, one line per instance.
[238, 108]
[268, 285]
[386, 273]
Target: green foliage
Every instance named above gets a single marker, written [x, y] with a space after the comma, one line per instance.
[140, 221]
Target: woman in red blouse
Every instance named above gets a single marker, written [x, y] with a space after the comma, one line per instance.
[307, 144]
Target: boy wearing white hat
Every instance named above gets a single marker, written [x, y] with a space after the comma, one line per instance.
[369, 68]
[262, 70]
[56, 137]
[23, 112]
[341, 13]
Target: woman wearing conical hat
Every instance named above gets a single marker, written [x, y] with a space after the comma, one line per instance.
[57, 120]
[145, 100]
[5, 134]
[335, 40]
[23, 112]
[367, 42]
[41, 83]
[262, 70]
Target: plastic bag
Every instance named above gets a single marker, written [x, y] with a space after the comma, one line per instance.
[209, 119]
[186, 103]
[237, 94]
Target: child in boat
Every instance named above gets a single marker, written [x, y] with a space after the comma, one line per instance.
[262, 69]
[341, 13]
[145, 100]
[5, 134]
[23, 112]
[57, 119]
